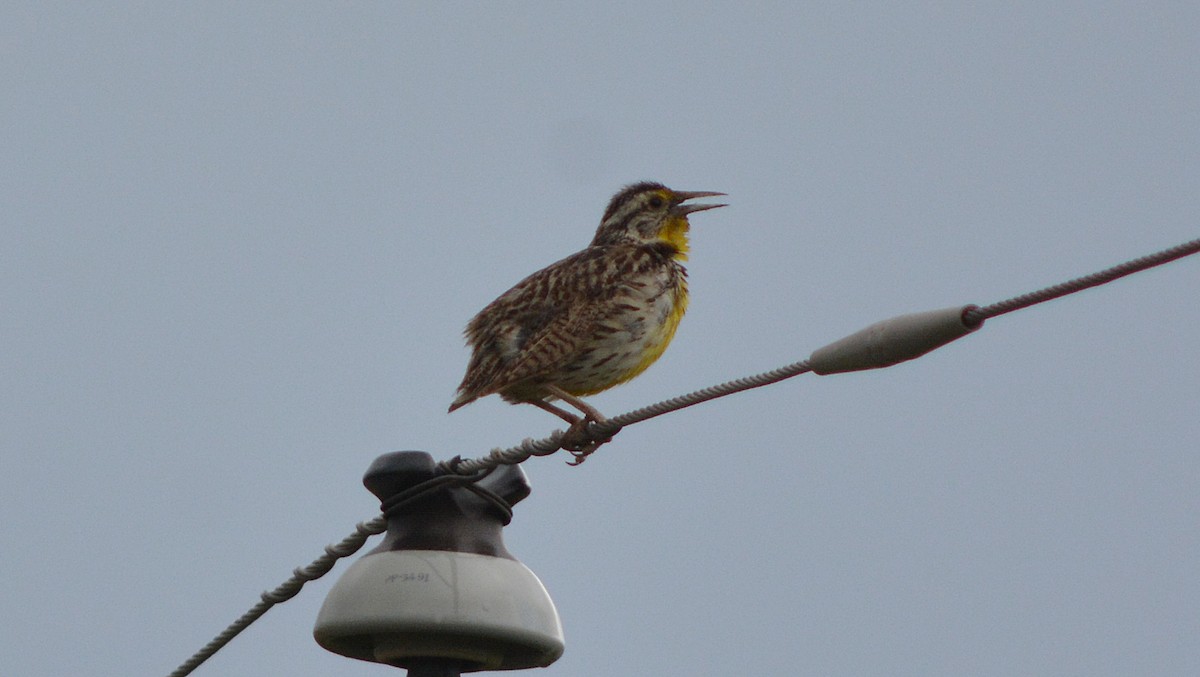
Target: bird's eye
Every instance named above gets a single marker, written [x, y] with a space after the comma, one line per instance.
[656, 201]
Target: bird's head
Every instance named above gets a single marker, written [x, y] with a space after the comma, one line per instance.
[650, 212]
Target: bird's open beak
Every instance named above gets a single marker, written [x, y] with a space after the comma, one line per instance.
[682, 196]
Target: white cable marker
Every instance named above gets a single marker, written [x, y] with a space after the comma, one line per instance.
[889, 342]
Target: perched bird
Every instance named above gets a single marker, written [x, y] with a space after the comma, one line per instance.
[592, 320]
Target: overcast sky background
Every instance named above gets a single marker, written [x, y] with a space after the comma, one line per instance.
[241, 240]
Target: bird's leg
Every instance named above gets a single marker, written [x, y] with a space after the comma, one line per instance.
[577, 440]
[588, 410]
[561, 413]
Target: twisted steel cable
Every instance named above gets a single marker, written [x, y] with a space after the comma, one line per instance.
[976, 315]
[286, 590]
[971, 316]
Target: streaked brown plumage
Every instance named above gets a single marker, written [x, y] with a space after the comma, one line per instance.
[592, 320]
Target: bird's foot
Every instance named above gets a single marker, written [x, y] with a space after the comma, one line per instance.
[579, 442]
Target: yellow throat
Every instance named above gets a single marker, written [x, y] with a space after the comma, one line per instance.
[675, 232]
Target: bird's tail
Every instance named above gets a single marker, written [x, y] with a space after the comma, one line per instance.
[464, 398]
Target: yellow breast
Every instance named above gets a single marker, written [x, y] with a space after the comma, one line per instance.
[659, 338]
[628, 343]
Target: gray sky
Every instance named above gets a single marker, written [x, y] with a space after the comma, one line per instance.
[240, 242]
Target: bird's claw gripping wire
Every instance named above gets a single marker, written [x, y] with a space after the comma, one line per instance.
[581, 442]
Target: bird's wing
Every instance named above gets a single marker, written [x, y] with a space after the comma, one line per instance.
[535, 327]
[557, 341]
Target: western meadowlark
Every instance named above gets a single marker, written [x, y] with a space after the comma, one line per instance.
[592, 320]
